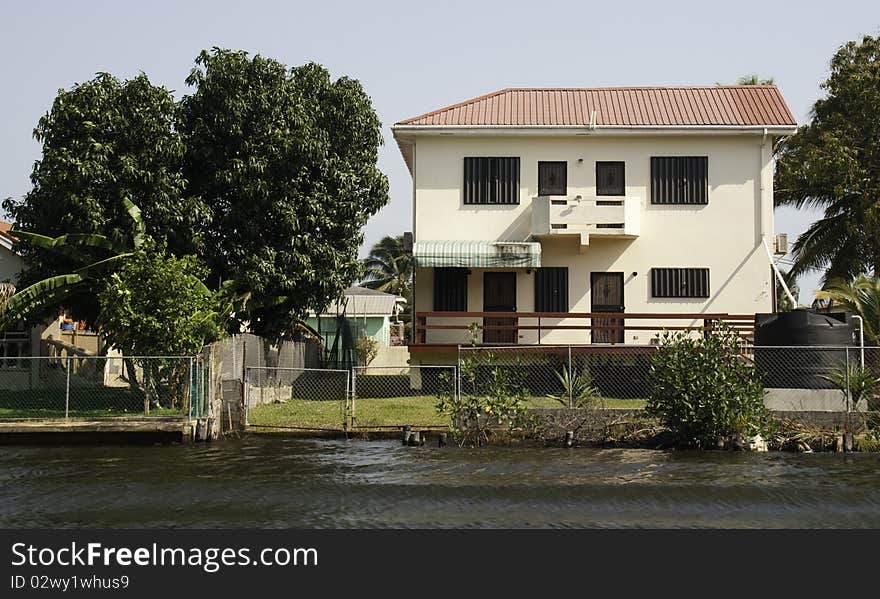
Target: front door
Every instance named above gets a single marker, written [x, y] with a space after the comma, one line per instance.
[499, 295]
[606, 295]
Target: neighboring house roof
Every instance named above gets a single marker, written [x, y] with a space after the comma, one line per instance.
[6, 240]
[717, 105]
[360, 301]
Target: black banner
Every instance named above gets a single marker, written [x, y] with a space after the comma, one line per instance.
[225, 563]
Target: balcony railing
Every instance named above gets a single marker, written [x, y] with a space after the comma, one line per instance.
[595, 328]
[607, 216]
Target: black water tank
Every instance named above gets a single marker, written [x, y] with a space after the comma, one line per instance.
[790, 347]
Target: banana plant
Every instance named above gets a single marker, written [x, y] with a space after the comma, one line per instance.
[52, 292]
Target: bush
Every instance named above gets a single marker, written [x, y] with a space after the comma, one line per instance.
[367, 349]
[704, 391]
[488, 402]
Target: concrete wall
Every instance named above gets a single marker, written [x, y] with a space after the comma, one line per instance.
[725, 235]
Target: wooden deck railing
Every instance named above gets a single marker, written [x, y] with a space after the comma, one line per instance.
[541, 322]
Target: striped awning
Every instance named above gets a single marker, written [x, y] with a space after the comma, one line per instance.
[477, 254]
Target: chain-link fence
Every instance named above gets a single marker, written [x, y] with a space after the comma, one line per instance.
[795, 378]
[823, 379]
[296, 398]
[362, 399]
[78, 386]
[817, 379]
[385, 397]
[564, 376]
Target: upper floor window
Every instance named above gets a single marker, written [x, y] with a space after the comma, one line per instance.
[552, 178]
[450, 289]
[680, 282]
[492, 180]
[610, 180]
[679, 180]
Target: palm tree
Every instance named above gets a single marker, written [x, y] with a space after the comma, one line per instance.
[389, 268]
[754, 80]
[860, 296]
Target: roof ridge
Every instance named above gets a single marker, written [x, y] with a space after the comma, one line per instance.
[454, 106]
[620, 87]
[697, 105]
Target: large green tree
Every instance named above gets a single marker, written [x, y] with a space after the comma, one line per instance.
[266, 174]
[103, 142]
[833, 163]
[285, 160]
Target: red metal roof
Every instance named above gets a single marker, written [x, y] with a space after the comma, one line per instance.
[717, 105]
[5, 227]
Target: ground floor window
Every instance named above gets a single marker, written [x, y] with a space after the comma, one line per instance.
[450, 290]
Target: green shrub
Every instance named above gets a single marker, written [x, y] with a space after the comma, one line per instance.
[577, 391]
[856, 384]
[492, 399]
[704, 391]
[367, 349]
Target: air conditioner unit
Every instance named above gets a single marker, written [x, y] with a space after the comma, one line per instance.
[780, 244]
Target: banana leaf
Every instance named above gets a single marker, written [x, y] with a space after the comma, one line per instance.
[103, 262]
[140, 229]
[39, 295]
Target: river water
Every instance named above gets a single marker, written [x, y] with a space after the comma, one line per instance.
[284, 482]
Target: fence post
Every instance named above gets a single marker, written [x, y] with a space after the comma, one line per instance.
[457, 376]
[67, 390]
[189, 389]
[245, 392]
[348, 406]
[570, 380]
[848, 398]
[197, 386]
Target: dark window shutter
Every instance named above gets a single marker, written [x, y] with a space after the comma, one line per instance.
[450, 290]
[679, 180]
[491, 180]
[680, 282]
[610, 179]
[551, 289]
[552, 178]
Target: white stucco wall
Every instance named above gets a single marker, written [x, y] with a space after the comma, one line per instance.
[10, 265]
[724, 235]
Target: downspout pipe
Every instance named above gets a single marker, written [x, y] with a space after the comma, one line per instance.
[778, 273]
[764, 227]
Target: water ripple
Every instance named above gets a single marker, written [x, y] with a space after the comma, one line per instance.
[280, 482]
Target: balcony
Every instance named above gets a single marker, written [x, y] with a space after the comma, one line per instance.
[611, 217]
[439, 330]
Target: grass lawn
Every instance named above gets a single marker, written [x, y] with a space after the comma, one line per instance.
[385, 412]
[92, 402]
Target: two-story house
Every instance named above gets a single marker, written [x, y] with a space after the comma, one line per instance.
[537, 212]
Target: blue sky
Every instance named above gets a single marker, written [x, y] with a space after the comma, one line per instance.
[412, 57]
